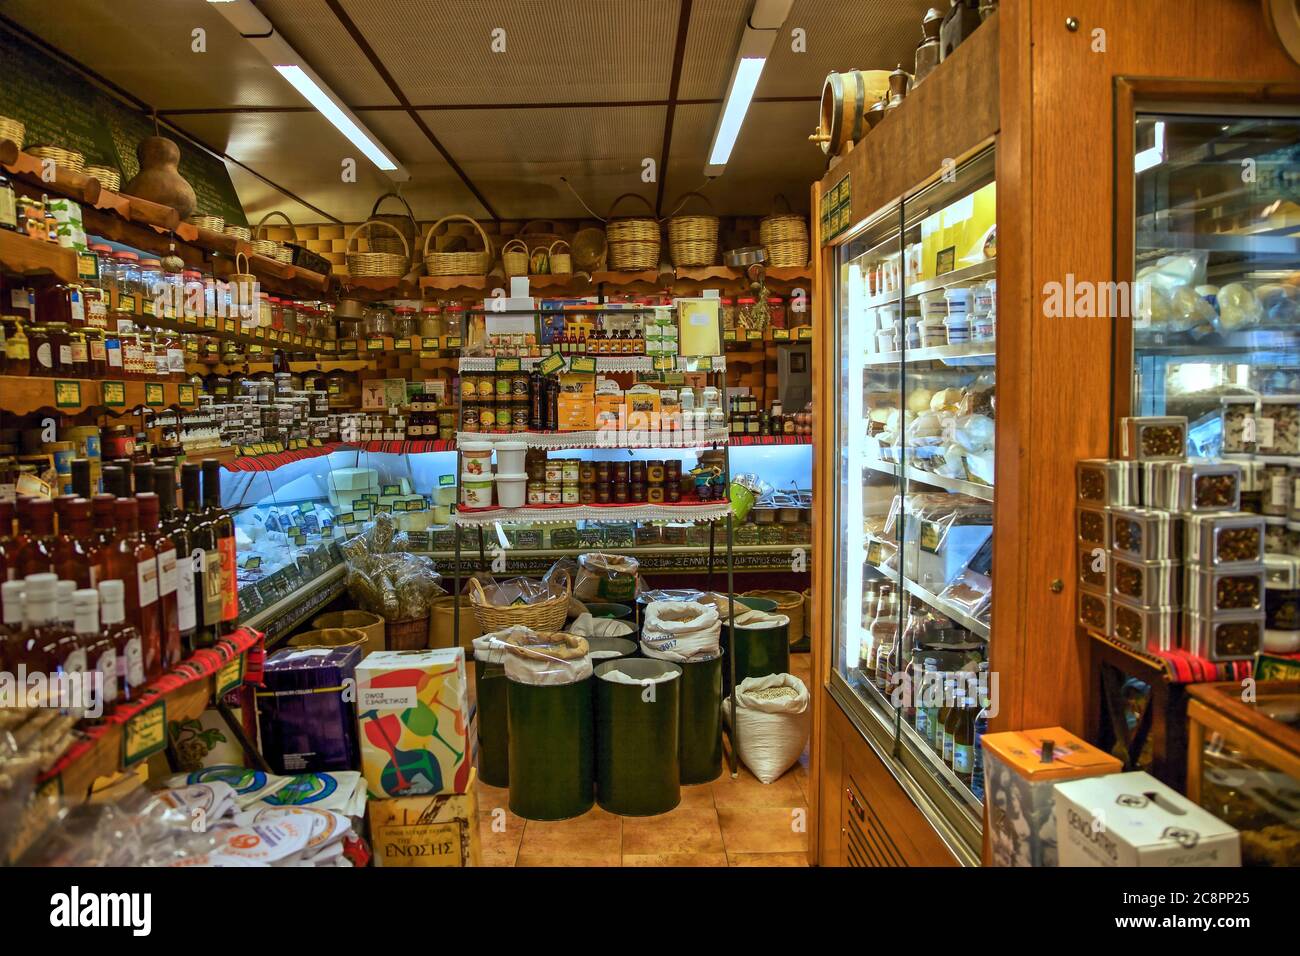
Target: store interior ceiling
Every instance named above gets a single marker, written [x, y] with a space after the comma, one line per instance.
[585, 91]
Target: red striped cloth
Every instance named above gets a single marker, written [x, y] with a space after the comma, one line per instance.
[273, 460]
[1184, 667]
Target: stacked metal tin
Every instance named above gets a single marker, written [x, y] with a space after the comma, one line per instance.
[1166, 557]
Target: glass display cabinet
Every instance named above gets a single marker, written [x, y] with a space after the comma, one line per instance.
[915, 426]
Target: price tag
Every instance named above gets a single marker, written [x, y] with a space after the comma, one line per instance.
[209, 321]
[185, 394]
[754, 335]
[930, 537]
[453, 342]
[582, 364]
[347, 345]
[430, 343]
[780, 335]
[147, 308]
[402, 345]
[664, 363]
[87, 266]
[144, 734]
[446, 481]
[126, 303]
[374, 345]
[229, 677]
[508, 365]
[728, 335]
[804, 333]
[255, 349]
[875, 552]
[154, 395]
[551, 364]
[192, 346]
[332, 388]
[704, 363]
[113, 394]
[297, 339]
[67, 393]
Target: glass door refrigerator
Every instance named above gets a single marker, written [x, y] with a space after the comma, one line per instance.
[915, 404]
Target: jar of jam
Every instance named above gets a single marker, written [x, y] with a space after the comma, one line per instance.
[621, 493]
[638, 491]
[654, 472]
[587, 494]
[572, 471]
[503, 416]
[469, 417]
[604, 494]
[468, 388]
[486, 387]
[96, 354]
[502, 384]
[554, 471]
[587, 472]
[79, 366]
[604, 472]
[654, 494]
[620, 472]
[42, 351]
[637, 471]
[570, 495]
[519, 417]
[519, 386]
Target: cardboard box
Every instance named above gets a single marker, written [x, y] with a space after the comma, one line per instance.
[437, 830]
[1132, 819]
[305, 720]
[412, 716]
[577, 402]
[1019, 810]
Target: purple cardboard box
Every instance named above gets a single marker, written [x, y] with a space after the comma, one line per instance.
[306, 721]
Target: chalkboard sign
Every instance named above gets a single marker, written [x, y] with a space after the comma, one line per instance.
[60, 107]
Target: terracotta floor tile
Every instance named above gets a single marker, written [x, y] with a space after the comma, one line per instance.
[768, 859]
[747, 791]
[698, 796]
[675, 859]
[684, 830]
[500, 848]
[585, 835]
[534, 858]
[760, 830]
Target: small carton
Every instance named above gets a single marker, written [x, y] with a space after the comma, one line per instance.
[1132, 819]
[437, 830]
[1020, 768]
[305, 718]
[576, 406]
[413, 717]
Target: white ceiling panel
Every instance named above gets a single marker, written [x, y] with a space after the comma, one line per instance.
[711, 44]
[555, 52]
[311, 28]
[145, 47]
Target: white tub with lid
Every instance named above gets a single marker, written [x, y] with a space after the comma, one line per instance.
[477, 457]
[476, 490]
[510, 456]
[933, 305]
[512, 489]
[959, 299]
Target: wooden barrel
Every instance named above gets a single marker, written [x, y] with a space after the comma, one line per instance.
[845, 99]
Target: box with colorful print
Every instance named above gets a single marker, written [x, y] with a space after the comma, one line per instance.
[412, 718]
[437, 830]
[306, 718]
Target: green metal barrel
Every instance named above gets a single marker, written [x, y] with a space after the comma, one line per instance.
[492, 698]
[550, 750]
[759, 651]
[700, 748]
[637, 760]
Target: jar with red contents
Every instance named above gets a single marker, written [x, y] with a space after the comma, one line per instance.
[776, 312]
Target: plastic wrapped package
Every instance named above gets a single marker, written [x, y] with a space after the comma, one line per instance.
[606, 577]
[544, 659]
[385, 578]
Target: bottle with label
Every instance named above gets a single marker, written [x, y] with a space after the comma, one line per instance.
[926, 715]
[49, 645]
[883, 632]
[132, 560]
[224, 531]
[165, 551]
[174, 526]
[76, 550]
[81, 479]
[36, 537]
[18, 356]
[101, 653]
[127, 642]
[948, 717]
[870, 605]
[940, 705]
[11, 624]
[205, 559]
[963, 743]
[63, 592]
[101, 516]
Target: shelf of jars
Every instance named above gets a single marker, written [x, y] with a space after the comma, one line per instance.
[381, 346]
[24, 255]
[736, 338]
[661, 559]
[601, 438]
[23, 394]
[550, 514]
[602, 363]
[966, 353]
[946, 608]
[320, 364]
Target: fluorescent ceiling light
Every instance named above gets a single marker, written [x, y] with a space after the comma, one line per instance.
[318, 98]
[1155, 155]
[748, 70]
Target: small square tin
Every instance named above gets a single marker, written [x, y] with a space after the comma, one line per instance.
[1094, 610]
[1223, 637]
[1281, 572]
[1282, 610]
[1279, 425]
[1206, 486]
[1146, 583]
[1156, 628]
[1106, 481]
[1094, 567]
[1225, 540]
[1215, 591]
[1153, 438]
[1238, 416]
[1092, 526]
[1159, 486]
[1144, 534]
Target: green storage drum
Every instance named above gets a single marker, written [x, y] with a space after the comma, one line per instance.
[700, 749]
[550, 730]
[759, 651]
[492, 700]
[638, 771]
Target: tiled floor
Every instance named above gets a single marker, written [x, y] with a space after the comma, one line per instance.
[729, 822]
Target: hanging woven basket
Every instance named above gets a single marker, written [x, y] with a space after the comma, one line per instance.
[514, 257]
[457, 262]
[633, 241]
[539, 234]
[407, 228]
[561, 260]
[386, 265]
[693, 239]
[785, 236]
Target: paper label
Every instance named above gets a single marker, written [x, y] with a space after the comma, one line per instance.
[147, 578]
[130, 666]
[107, 666]
[185, 606]
[1264, 432]
[388, 698]
[167, 572]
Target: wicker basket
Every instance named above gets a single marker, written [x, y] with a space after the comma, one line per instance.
[789, 603]
[66, 158]
[693, 239]
[210, 223]
[409, 635]
[514, 257]
[539, 234]
[457, 262]
[264, 247]
[239, 232]
[404, 223]
[108, 177]
[242, 279]
[548, 615]
[385, 265]
[785, 236]
[11, 129]
[562, 261]
[589, 251]
[282, 251]
[633, 241]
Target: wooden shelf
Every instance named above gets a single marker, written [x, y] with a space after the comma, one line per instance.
[323, 364]
[24, 394]
[22, 255]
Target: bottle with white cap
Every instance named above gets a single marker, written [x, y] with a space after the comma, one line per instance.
[63, 603]
[11, 625]
[126, 639]
[49, 643]
[101, 652]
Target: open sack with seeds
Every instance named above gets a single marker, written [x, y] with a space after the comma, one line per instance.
[539, 658]
[771, 721]
[680, 631]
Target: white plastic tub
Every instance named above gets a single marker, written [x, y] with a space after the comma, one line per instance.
[512, 489]
[477, 458]
[959, 300]
[476, 490]
[510, 457]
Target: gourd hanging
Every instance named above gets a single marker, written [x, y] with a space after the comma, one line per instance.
[159, 179]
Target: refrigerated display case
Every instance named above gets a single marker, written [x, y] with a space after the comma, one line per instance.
[915, 402]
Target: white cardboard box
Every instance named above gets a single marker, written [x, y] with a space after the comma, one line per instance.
[1132, 819]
